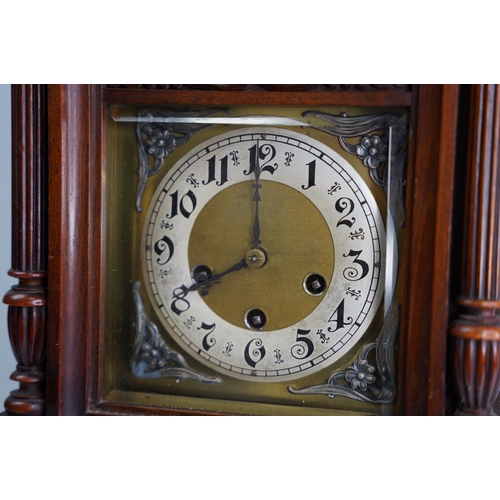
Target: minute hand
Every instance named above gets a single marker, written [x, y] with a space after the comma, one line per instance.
[256, 198]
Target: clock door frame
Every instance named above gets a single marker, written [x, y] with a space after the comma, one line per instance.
[55, 311]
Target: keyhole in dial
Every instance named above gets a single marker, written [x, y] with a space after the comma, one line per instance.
[255, 319]
[315, 284]
[201, 273]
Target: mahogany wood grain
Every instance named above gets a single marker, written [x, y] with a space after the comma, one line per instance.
[422, 360]
[475, 335]
[289, 87]
[27, 300]
[68, 247]
[219, 98]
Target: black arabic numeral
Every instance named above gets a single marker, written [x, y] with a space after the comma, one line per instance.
[341, 205]
[339, 318]
[353, 274]
[211, 171]
[306, 346]
[176, 205]
[161, 245]
[180, 304]
[312, 175]
[257, 352]
[267, 152]
[206, 342]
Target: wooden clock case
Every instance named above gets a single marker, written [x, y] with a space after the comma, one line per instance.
[448, 356]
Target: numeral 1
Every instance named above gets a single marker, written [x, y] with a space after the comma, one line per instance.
[312, 175]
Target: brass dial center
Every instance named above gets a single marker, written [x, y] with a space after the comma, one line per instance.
[298, 243]
[255, 258]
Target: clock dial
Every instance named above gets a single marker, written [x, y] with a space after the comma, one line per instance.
[264, 254]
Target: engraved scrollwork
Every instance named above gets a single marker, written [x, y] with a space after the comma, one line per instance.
[151, 357]
[369, 378]
[157, 139]
[373, 148]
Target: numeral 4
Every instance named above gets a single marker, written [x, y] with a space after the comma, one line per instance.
[338, 317]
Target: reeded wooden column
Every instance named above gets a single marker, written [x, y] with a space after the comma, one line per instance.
[475, 335]
[26, 300]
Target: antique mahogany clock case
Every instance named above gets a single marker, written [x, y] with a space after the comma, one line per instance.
[379, 202]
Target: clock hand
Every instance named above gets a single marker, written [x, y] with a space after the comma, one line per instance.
[206, 281]
[256, 197]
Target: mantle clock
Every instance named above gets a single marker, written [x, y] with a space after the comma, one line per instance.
[255, 250]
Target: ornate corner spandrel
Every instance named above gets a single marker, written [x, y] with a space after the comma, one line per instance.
[372, 376]
[151, 357]
[156, 140]
[382, 147]
[376, 134]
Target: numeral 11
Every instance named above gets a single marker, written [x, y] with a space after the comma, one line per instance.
[211, 171]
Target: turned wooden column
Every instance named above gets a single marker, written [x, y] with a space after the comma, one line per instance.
[475, 335]
[26, 300]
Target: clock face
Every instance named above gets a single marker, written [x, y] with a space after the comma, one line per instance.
[263, 254]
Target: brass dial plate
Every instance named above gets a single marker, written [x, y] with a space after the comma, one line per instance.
[221, 234]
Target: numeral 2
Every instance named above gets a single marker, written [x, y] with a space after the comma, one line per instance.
[342, 205]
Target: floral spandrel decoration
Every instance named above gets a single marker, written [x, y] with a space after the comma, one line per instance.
[158, 134]
[369, 381]
[372, 151]
[368, 137]
[151, 357]
[160, 143]
[155, 353]
[360, 375]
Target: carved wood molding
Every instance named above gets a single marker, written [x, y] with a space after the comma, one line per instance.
[273, 87]
[27, 299]
[422, 342]
[475, 335]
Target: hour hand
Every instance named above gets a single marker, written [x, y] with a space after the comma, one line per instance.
[205, 280]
